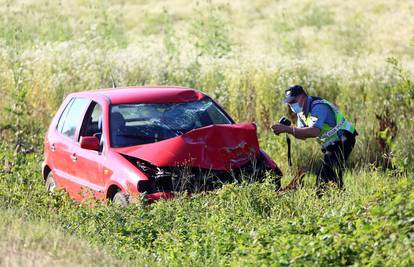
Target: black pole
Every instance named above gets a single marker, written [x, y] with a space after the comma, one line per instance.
[289, 151]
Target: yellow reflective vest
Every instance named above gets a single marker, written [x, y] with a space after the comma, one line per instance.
[328, 134]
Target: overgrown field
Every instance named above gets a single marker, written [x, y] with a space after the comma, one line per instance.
[370, 223]
[358, 54]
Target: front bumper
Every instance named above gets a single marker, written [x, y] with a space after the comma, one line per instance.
[159, 195]
[193, 180]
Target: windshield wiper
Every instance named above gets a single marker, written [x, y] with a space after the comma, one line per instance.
[137, 135]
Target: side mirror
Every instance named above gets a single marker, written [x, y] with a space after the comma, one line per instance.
[90, 142]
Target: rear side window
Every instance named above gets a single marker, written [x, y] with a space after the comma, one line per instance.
[72, 117]
[63, 116]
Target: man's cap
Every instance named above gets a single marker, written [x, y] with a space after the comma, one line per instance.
[293, 92]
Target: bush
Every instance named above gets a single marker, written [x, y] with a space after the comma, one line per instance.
[238, 224]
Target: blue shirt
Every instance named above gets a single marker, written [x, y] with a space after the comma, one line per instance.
[322, 112]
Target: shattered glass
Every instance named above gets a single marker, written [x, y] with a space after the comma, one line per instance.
[134, 124]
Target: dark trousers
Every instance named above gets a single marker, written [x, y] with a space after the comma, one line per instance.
[333, 165]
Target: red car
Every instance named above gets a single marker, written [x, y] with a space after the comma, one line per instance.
[119, 143]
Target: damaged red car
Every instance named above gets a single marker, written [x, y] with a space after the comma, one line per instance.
[149, 142]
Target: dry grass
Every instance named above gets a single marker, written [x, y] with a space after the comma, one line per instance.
[25, 242]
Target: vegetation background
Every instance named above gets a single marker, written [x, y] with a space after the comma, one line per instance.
[358, 54]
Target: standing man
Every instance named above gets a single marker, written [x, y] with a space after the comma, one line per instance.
[320, 119]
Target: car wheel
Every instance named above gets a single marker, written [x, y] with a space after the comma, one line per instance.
[50, 182]
[121, 199]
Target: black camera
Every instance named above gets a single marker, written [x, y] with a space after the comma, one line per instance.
[285, 121]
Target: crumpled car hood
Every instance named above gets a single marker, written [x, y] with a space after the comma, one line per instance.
[216, 147]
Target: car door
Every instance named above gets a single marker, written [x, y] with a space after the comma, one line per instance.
[64, 144]
[57, 148]
[89, 168]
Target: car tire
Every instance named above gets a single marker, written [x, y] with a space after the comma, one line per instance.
[121, 199]
[50, 182]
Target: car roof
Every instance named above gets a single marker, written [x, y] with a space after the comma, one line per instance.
[144, 94]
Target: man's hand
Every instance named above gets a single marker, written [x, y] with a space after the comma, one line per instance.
[280, 128]
[300, 133]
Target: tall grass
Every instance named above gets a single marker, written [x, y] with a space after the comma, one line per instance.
[65, 48]
[241, 224]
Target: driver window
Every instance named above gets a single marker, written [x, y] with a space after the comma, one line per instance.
[92, 123]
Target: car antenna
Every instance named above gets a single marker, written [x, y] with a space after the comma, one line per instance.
[113, 82]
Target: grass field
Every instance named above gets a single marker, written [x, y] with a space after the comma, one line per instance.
[358, 54]
[30, 242]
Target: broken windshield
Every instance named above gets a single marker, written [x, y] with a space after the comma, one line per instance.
[135, 124]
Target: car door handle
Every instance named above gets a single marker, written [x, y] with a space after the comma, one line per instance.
[53, 147]
[73, 157]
